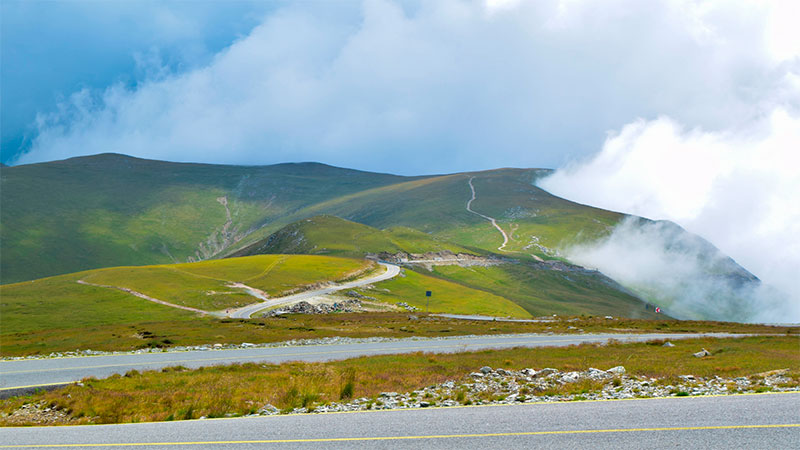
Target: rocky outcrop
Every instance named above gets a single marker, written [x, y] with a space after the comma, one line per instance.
[322, 308]
[441, 258]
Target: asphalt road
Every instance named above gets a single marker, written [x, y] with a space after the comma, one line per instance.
[245, 312]
[768, 421]
[31, 373]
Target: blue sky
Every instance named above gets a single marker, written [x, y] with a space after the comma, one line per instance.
[671, 109]
[51, 49]
[451, 85]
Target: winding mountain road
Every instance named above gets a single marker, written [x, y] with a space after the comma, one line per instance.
[247, 311]
[768, 421]
[490, 219]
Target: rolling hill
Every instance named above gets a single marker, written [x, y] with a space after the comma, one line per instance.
[113, 210]
[107, 296]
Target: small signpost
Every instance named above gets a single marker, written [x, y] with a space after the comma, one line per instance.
[427, 297]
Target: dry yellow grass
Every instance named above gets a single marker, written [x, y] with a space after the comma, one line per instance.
[178, 393]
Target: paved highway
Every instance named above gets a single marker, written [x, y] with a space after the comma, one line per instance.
[245, 312]
[25, 374]
[768, 421]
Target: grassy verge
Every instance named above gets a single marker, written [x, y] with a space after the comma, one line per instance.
[197, 331]
[178, 393]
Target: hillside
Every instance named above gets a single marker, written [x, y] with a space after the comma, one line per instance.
[108, 296]
[110, 210]
[124, 306]
[113, 210]
[539, 288]
[331, 235]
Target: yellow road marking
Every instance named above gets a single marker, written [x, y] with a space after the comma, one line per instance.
[389, 349]
[433, 436]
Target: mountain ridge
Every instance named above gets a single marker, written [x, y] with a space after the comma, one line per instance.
[114, 210]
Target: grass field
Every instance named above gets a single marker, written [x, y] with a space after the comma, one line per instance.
[60, 303]
[179, 393]
[542, 292]
[205, 285]
[331, 235]
[447, 297]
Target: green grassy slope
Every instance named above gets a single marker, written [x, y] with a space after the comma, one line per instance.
[541, 291]
[110, 210]
[448, 297]
[331, 235]
[61, 302]
[206, 285]
[437, 206]
[535, 288]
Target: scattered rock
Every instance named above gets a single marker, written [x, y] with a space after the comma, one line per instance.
[597, 374]
[268, 410]
[37, 414]
[545, 372]
[486, 370]
[702, 353]
[303, 307]
[619, 370]
[668, 344]
[571, 377]
[503, 386]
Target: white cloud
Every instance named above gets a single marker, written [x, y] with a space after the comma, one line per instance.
[737, 188]
[445, 86]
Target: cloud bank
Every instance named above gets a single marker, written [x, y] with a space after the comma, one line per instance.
[738, 188]
[439, 86]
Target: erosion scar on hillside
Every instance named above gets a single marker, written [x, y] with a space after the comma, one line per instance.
[490, 219]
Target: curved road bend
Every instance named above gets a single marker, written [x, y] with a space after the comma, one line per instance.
[19, 374]
[768, 421]
[245, 312]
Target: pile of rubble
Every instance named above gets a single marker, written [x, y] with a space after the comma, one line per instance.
[304, 307]
[500, 386]
[39, 413]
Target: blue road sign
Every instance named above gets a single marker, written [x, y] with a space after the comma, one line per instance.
[428, 293]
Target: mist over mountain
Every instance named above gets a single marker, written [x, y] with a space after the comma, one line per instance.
[113, 210]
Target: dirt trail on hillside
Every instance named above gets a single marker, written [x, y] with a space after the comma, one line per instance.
[490, 219]
[146, 297]
[324, 289]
